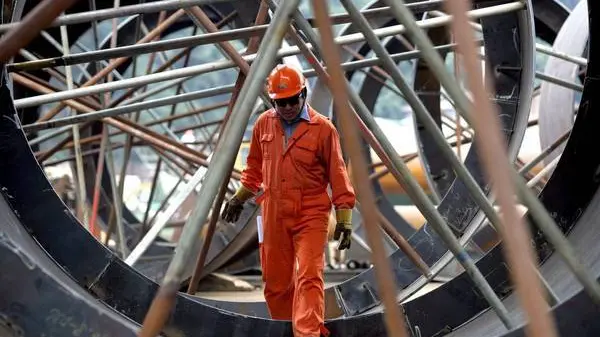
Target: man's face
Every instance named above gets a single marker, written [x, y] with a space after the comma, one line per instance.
[289, 108]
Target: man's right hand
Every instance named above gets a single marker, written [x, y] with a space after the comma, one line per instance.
[233, 210]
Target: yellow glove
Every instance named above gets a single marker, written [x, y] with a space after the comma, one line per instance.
[243, 194]
[343, 228]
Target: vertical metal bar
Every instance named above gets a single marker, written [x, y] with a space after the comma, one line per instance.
[98, 181]
[115, 186]
[144, 225]
[82, 213]
[261, 17]
[458, 129]
[539, 213]
[118, 205]
[164, 300]
[394, 320]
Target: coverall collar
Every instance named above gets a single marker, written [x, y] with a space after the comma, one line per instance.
[299, 131]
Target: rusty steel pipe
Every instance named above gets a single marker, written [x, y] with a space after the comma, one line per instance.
[406, 248]
[96, 138]
[394, 320]
[35, 21]
[519, 252]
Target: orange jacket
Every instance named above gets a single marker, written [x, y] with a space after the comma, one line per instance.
[311, 161]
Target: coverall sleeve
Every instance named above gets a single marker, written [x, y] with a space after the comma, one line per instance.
[342, 192]
[252, 175]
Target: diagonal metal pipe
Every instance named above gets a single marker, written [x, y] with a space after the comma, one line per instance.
[224, 156]
[22, 33]
[421, 111]
[261, 17]
[394, 321]
[434, 217]
[542, 219]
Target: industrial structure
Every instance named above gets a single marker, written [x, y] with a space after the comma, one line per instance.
[468, 126]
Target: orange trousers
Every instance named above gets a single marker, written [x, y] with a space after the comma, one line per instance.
[292, 260]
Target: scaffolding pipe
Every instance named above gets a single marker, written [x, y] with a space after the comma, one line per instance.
[381, 12]
[117, 200]
[49, 134]
[238, 33]
[527, 167]
[580, 61]
[112, 13]
[393, 318]
[133, 50]
[204, 93]
[81, 188]
[163, 218]
[543, 172]
[555, 80]
[112, 112]
[26, 30]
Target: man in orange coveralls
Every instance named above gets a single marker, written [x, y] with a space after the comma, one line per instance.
[295, 154]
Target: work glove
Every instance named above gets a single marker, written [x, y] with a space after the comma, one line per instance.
[343, 228]
[234, 207]
[233, 210]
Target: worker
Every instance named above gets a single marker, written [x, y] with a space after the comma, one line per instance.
[294, 156]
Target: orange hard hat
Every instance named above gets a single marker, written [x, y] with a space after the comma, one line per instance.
[285, 81]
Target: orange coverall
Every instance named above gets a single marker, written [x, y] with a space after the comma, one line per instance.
[295, 210]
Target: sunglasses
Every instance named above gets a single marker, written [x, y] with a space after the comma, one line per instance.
[289, 100]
